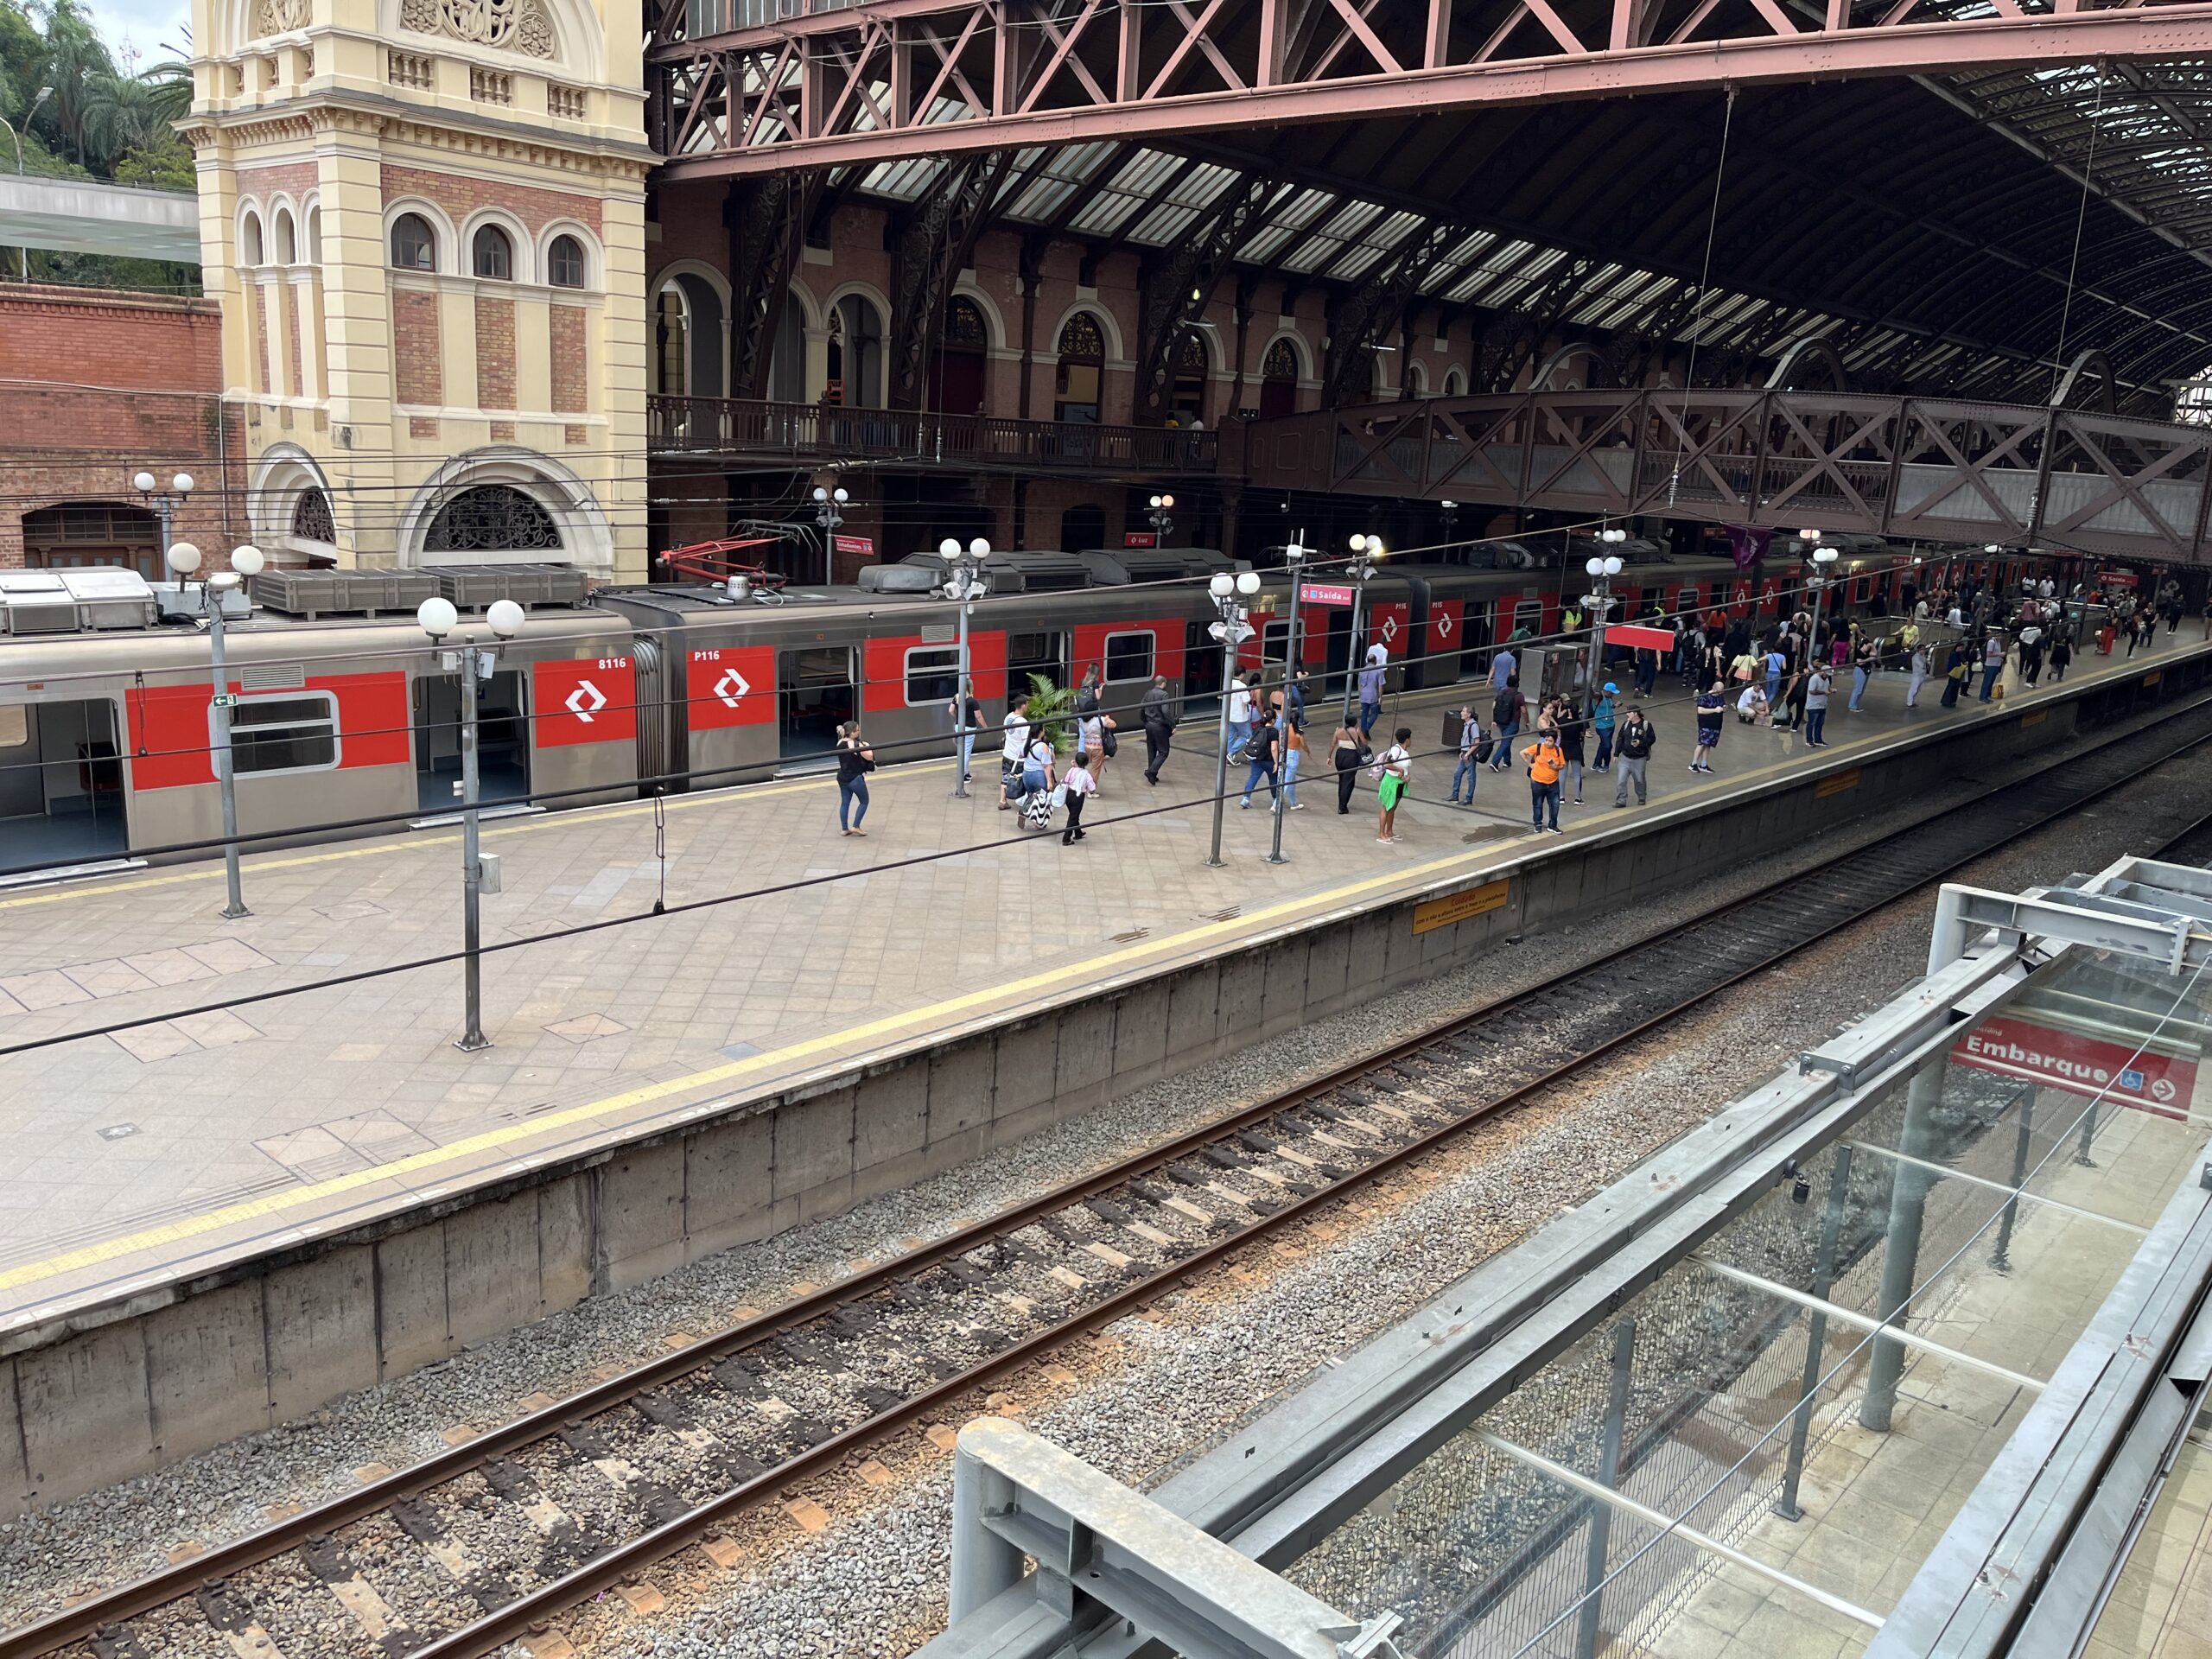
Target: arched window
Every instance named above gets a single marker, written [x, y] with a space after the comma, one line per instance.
[492, 519]
[1455, 383]
[315, 235]
[564, 262]
[1190, 365]
[414, 244]
[672, 343]
[1082, 369]
[311, 519]
[1278, 381]
[250, 248]
[956, 373]
[855, 355]
[287, 250]
[493, 254]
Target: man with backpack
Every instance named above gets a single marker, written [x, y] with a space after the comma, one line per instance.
[1632, 747]
[1505, 719]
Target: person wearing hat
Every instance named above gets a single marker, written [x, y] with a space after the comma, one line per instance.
[1602, 714]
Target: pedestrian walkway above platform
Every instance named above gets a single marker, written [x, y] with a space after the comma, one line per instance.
[182, 1136]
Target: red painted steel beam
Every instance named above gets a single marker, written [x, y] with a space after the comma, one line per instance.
[1978, 44]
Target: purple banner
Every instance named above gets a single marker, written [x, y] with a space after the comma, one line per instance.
[1749, 544]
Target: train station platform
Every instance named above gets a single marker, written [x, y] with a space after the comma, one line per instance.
[257, 1174]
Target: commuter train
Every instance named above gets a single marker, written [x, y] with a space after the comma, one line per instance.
[350, 723]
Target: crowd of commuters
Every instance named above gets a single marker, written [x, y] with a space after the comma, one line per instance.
[1780, 674]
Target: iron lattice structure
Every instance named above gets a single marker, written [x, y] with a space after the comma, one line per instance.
[1904, 180]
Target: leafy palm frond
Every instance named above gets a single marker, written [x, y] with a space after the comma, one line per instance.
[1052, 711]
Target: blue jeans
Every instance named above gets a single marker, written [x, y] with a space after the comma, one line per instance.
[967, 749]
[1857, 687]
[1604, 748]
[1466, 771]
[1504, 758]
[1816, 721]
[1369, 714]
[1989, 676]
[1259, 769]
[848, 793]
[1290, 776]
[1540, 795]
[1773, 687]
[1240, 733]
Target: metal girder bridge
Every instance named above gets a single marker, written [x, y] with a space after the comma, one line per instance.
[1905, 468]
[754, 85]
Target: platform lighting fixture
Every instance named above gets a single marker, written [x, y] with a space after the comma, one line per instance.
[1162, 506]
[1293, 559]
[829, 513]
[165, 502]
[438, 618]
[1231, 598]
[964, 582]
[1366, 551]
[182, 558]
[1821, 557]
[1601, 568]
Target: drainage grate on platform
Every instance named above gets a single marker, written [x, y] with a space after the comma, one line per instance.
[1132, 936]
[1229, 915]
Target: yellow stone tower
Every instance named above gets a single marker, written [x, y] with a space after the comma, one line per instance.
[424, 220]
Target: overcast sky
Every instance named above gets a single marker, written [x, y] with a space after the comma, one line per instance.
[148, 25]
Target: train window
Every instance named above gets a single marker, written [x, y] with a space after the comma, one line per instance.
[933, 675]
[1686, 601]
[1529, 616]
[290, 734]
[1274, 640]
[1128, 656]
[15, 726]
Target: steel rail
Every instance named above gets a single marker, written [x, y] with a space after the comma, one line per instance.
[626, 1562]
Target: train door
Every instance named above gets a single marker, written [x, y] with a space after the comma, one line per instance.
[61, 783]
[1201, 666]
[817, 692]
[1037, 655]
[502, 739]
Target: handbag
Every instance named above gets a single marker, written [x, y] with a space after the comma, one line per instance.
[1107, 746]
[1059, 795]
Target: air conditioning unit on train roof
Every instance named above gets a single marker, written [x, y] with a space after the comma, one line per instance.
[75, 601]
[1116, 567]
[1037, 571]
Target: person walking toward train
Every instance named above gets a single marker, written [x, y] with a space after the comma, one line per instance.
[1012, 749]
[1632, 756]
[1398, 768]
[1505, 719]
[1158, 715]
[1090, 741]
[2061, 654]
[1571, 729]
[967, 720]
[1294, 756]
[1263, 753]
[1240, 715]
[1347, 754]
[1077, 787]
[2031, 644]
[855, 761]
[1919, 674]
[1370, 686]
[1604, 719]
[1503, 665]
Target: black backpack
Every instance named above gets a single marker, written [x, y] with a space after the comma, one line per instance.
[1503, 710]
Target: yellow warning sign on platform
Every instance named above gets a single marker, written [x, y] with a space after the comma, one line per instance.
[1836, 785]
[1458, 906]
[2037, 718]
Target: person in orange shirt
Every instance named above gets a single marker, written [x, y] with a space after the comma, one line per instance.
[1547, 760]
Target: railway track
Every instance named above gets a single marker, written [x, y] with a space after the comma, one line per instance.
[461, 1554]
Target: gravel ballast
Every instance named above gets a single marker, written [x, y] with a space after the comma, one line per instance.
[873, 1582]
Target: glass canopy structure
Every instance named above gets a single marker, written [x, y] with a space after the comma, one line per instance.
[1888, 1357]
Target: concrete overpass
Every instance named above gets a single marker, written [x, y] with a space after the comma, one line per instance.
[81, 216]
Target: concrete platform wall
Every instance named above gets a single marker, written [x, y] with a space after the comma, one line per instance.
[182, 1367]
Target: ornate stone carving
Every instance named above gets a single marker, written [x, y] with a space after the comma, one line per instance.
[523, 26]
[278, 16]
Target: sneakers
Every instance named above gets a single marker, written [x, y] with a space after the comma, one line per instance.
[1246, 803]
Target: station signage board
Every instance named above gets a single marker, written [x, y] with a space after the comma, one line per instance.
[1326, 593]
[1140, 538]
[864, 545]
[2057, 1058]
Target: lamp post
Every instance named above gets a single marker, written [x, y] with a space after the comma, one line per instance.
[183, 558]
[1230, 596]
[1821, 558]
[438, 618]
[1294, 558]
[165, 502]
[963, 582]
[23, 253]
[829, 513]
[1451, 510]
[1162, 515]
[1601, 569]
[1365, 549]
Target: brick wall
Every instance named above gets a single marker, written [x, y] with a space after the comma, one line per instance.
[96, 385]
[417, 370]
[460, 197]
[571, 390]
[495, 352]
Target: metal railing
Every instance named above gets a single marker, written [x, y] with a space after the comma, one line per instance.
[832, 432]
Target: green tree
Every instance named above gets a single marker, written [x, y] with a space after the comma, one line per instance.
[77, 61]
